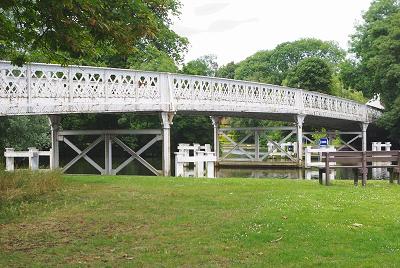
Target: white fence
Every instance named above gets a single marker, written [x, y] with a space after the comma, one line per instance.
[381, 173]
[202, 157]
[312, 154]
[32, 154]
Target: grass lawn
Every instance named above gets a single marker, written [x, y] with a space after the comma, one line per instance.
[153, 222]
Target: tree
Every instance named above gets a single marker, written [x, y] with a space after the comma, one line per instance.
[22, 132]
[273, 66]
[152, 59]
[67, 31]
[376, 45]
[287, 55]
[205, 65]
[312, 74]
[258, 68]
[227, 71]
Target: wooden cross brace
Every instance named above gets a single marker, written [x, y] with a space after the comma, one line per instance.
[347, 144]
[277, 145]
[83, 154]
[237, 145]
[134, 155]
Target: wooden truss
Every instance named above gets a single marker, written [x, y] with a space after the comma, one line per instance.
[256, 132]
[110, 136]
[347, 142]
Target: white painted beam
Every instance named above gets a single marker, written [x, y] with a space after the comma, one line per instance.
[111, 132]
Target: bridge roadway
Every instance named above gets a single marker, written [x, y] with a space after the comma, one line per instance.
[46, 89]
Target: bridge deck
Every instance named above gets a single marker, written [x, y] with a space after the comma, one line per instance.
[52, 89]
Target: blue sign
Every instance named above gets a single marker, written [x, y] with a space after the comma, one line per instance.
[323, 142]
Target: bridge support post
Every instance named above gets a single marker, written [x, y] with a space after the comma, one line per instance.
[257, 146]
[166, 122]
[364, 127]
[55, 149]
[216, 121]
[108, 154]
[299, 122]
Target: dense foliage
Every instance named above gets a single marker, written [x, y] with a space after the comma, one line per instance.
[206, 66]
[273, 66]
[22, 132]
[98, 31]
[376, 45]
[227, 71]
[312, 74]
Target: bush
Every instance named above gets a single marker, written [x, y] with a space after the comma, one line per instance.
[24, 184]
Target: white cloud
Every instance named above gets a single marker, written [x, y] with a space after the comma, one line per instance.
[210, 8]
[226, 25]
[235, 29]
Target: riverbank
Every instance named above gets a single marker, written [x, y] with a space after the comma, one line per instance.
[149, 221]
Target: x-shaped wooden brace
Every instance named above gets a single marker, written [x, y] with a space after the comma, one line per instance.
[83, 154]
[136, 155]
[347, 144]
[307, 138]
[277, 145]
[237, 145]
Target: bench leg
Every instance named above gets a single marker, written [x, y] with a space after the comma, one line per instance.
[327, 179]
[356, 178]
[363, 173]
[364, 177]
[396, 174]
[320, 173]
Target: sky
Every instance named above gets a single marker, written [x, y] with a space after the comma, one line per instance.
[235, 29]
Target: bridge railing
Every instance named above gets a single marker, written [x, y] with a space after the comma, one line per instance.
[219, 93]
[47, 88]
[63, 89]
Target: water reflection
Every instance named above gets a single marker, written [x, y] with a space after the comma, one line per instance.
[135, 168]
[309, 174]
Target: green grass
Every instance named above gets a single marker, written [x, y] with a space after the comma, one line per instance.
[23, 185]
[169, 222]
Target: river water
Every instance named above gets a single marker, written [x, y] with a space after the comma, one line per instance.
[135, 168]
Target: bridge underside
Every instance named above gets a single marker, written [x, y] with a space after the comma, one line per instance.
[310, 120]
[298, 122]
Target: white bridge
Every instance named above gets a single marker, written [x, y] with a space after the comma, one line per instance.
[45, 89]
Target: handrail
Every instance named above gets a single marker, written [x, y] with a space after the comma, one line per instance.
[39, 88]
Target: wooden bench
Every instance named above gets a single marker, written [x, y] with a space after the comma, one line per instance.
[362, 161]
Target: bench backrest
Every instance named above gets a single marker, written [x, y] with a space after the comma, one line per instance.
[359, 157]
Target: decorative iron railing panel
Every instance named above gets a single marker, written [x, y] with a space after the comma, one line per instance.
[53, 89]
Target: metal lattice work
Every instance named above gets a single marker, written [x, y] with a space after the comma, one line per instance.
[52, 89]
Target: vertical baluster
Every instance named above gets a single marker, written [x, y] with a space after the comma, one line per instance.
[70, 86]
[102, 83]
[28, 87]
